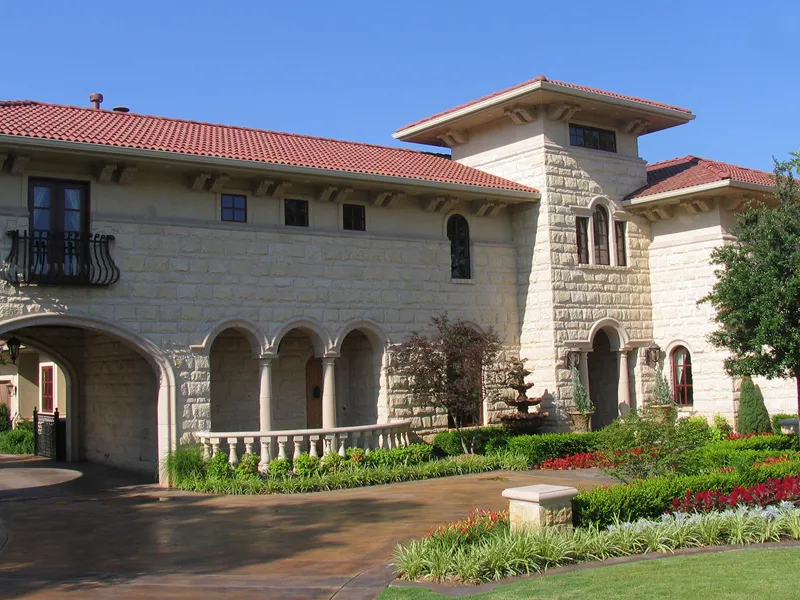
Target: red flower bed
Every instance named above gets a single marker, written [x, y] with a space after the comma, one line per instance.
[582, 460]
[477, 523]
[771, 491]
[744, 436]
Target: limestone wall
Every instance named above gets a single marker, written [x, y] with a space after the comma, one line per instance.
[234, 384]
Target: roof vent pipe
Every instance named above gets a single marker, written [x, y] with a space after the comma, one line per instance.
[96, 99]
[121, 109]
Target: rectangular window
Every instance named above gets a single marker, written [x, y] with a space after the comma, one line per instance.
[592, 137]
[234, 208]
[354, 217]
[582, 233]
[619, 236]
[47, 389]
[295, 213]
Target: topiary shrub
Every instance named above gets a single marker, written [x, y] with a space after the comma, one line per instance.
[480, 439]
[331, 463]
[219, 467]
[280, 468]
[5, 418]
[248, 464]
[538, 448]
[753, 415]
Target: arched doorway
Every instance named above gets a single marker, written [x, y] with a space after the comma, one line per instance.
[120, 389]
[358, 371]
[603, 380]
[297, 382]
[234, 383]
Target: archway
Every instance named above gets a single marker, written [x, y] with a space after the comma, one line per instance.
[234, 382]
[120, 399]
[297, 381]
[358, 372]
[603, 379]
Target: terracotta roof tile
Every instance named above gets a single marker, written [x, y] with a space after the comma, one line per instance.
[564, 84]
[691, 171]
[26, 118]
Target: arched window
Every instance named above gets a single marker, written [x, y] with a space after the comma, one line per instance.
[682, 376]
[458, 234]
[602, 256]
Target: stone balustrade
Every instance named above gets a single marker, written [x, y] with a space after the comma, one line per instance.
[317, 442]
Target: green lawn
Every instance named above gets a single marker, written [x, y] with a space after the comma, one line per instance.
[721, 576]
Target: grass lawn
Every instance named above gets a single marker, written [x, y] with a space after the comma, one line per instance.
[722, 576]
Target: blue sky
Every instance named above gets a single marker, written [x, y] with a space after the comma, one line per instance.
[360, 70]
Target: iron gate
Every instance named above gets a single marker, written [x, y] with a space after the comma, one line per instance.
[49, 435]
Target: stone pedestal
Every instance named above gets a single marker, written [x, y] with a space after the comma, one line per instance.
[538, 506]
[788, 426]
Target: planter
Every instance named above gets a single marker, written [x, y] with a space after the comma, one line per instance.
[662, 412]
[580, 421]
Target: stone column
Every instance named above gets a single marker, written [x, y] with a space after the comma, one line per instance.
[328, 393]
[583, 368]
[624, 389]
[265, 394]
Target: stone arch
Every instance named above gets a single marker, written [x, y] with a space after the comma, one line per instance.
[617, 335]
[166, 435]
[674, 344]
[467, 217]
[615, 211]
[250, 330]
[377, 336]
[311, 327]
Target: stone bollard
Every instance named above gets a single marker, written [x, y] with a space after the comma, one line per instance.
[538, 506]
[788, 426]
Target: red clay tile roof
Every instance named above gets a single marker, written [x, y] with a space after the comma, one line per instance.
[564, 84]
[26, 118]
[690, 171]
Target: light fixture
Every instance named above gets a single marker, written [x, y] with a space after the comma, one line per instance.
[652, 355]
[13, 344]
[572, 358]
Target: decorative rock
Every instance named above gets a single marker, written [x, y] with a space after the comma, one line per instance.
[538, 506]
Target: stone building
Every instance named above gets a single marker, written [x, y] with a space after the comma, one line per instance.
[189, 277]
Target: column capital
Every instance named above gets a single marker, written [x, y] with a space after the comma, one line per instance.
[329, 359]
[266, 357]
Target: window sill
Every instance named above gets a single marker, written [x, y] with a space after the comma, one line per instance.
[462, 281]
[604, 267]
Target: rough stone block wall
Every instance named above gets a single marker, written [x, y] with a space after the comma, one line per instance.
[289, 381]
[358, 381]
[235, 384]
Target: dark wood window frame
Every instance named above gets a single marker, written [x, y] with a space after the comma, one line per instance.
[233, 208]
[295, 212]
[682, 384]
[458, 234]
[619, 239]
[582, 237]
[600, 224]
[354, 217]
[594, 138]
[57, 209]
[48, 386]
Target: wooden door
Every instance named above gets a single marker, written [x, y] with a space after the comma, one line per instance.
[314, 393]
[5, 393]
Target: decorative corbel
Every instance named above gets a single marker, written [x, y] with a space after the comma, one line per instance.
[262, 187]
[650, 215]
[386, 199]
[733, 204]
[3, 158]
[438, 204]
[663, 212]
[488, 208]
[325, 193]
[18, 164]
[703, 204]
[278, 189]
[127, 174]
[689, 207]
[636, 126]
[198, 183]
[454, 137]
[106, 172]
[218, 183]
[521, 115]
[562, 112]
[341, 194]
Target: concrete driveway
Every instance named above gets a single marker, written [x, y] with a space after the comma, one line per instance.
[88, 532]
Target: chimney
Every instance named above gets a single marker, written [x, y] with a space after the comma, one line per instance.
[121, 109]
[96, 99]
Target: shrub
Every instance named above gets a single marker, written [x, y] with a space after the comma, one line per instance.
[280, 468]
[219, 467]
[760, 442]
[356, 456]
[480, 439]
[722, 428]
[776, 428]
[248, 464]
[185, 462]
[753, 415]
[539, 447]
[413, 454]
[650, 498]
[17, 441]
[638, 448]
[713, 457]
[5, 418]
[331, 462]
[306, 465]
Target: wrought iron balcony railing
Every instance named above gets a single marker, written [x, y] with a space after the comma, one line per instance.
[59, 258]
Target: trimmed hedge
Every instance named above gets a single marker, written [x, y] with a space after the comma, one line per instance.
[650, 498]
[761, 442]
[481, 439]
[540, 447]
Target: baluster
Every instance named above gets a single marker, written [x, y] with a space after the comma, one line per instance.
[367, 442]
[248, 445]
[298, 445]
[406, 438]
[389, 438]
[214, 446]
[330, 443]
[313, 440]
[232, 458]
[282, 446]
[266, 446]
[206, 447]
[354, 439]
[396, 437]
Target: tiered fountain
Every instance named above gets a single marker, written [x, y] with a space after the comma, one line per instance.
[529, 416]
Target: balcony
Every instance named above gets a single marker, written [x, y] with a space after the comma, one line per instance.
[59, 258]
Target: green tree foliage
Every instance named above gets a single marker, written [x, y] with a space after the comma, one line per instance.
[757, 293]
[449, 369]
[753, 415]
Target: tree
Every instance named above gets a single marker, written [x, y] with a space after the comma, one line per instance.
[447, 370]
[757, 292]
[753, 416]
